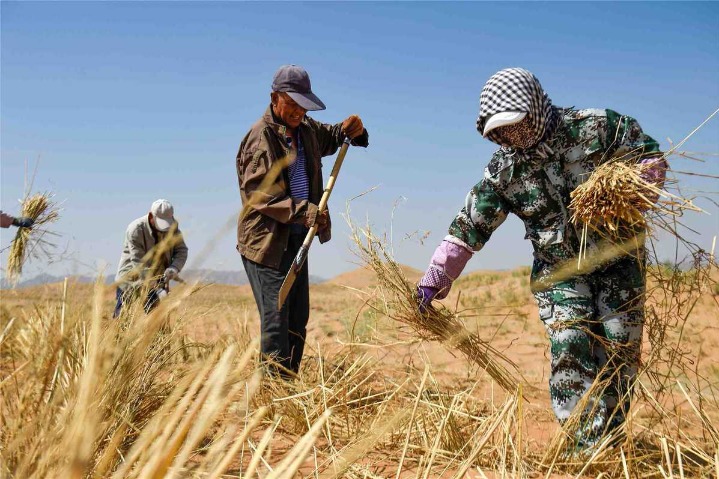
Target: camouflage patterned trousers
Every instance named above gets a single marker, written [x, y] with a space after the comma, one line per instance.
[594, 323]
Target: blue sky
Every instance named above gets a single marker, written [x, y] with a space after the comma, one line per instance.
[123, 103]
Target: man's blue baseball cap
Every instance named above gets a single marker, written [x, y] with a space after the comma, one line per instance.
[295, 81]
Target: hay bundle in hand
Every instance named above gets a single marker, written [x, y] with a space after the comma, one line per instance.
[30, 241]
[399, 302]
[614, 196]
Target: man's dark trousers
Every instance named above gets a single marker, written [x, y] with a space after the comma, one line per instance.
[282, 332]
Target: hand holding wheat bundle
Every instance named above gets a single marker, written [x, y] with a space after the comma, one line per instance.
[30, 241]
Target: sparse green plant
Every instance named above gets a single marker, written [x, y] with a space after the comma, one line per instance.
[522, 272]
[477, 279]
[510, 297]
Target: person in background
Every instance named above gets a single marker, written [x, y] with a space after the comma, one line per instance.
[594, 321]
[279, 171]
[153, 247]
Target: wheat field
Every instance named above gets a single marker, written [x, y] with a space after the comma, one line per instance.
[178, 393]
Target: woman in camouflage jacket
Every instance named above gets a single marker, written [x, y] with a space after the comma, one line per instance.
[594, 321]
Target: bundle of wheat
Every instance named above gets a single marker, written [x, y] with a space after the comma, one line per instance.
[615, 200]
[614, 195]
[30, 241]
[399, 302]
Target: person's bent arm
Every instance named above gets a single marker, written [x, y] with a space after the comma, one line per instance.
[137, 253]
[179, 254]
[484, 211]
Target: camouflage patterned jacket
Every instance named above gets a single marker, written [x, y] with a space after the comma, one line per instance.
[535, 184]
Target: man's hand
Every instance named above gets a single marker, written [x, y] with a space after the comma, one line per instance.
[425, 294]
[322, 221]
[353, 126]
[23, 222]
[171, 273]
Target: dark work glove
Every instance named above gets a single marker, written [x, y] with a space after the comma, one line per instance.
[425, 294]
[23, 222]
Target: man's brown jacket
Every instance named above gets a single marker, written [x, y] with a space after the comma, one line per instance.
[267, 208]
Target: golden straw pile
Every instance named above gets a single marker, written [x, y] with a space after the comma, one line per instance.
[614, 202]
[398, 301]
[615, 195]
[42, 210]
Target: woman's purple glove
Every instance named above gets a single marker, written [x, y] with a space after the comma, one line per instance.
[448, 261]
[425, 294]
[654, 172]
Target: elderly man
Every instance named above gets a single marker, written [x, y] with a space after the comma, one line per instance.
[280, 176]
[594, 321]
[153, 248]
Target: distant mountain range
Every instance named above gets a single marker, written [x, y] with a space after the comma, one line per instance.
[236, 278]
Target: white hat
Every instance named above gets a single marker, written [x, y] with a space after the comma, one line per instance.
[503, 119]
[164, 214]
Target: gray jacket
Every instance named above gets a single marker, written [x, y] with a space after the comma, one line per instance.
[138, 255]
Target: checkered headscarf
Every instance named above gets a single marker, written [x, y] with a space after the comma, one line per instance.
[518, 90]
